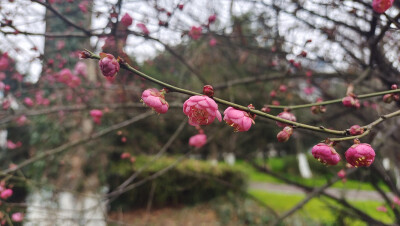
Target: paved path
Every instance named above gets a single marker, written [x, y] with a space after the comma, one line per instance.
[350, 194]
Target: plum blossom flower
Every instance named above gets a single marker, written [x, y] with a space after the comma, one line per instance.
[212, 42]
[238, 119]
[143, 28]
[96, 115]
[6, 193]
[17, 217]
[21, 120]
[80, 68]
[286, 115]
[360, 155]
[326, 154]
[195, 32]
[109, 66]
[201, 110]
[12, 145]
[380, 6]
[4, 62]
[126, 20]
[125, 155]
[212, 18]
[156, 100]
[198, 140]
[28, 102]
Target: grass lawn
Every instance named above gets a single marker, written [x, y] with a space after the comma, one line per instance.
[322, 210]
[275, 163]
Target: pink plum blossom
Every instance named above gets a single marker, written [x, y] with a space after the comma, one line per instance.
[156, 100]
[125, 155]
[380, 6]
[6, 193]
[83, 6]
[360, 155]
[109, 66]
[198, 140]
[356, 130]
[17, 217]
[350, 101]
[195, 32]
[201, 110]
[96, 115]
[12, 145]
[238, 119]
[28, 102]
[212, 19]
[21, 120]
[143, 28]
[286, 115]
[212, 42]
[341, 174]
[4, 62]
[126, 20]
[326, 154]
[80, 68]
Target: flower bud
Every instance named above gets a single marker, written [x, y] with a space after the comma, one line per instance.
[356, 130]
[208, 90]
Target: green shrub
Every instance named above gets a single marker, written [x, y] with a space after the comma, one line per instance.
[189, 182]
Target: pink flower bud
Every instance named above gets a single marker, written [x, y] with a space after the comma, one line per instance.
[238, 119]
[96, 115]
[156, 100]
[350, 101]
[125, 155]
[286, 115]
[394, 86]
[360, 155]
[326, 154]
[180, 6]
[143, 28]
[282, 88]
[212, 19]
[195, 32]
[6, 193]
[109, 66]
[126, 20]
[388, 98]
[21, 120]
[198, 140]
[212, 42]
[341, 174]
[28, 102]
[208, 90]
[285, 134]
[17, 217]
[380, 6]
[356, 130]
[272, 94]
[201, 110]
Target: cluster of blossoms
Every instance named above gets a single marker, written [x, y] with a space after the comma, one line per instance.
[359, 154]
